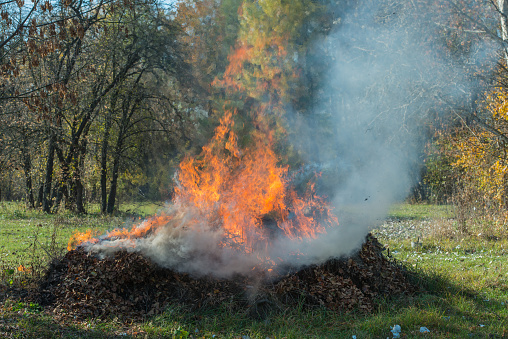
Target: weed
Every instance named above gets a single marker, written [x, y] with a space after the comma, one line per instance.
[27, 307]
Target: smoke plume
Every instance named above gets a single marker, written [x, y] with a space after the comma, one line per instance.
[384, 69]
[391, 72]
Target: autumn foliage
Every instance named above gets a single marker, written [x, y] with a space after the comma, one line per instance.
[474, 164]
[481, 153]
[102, 102]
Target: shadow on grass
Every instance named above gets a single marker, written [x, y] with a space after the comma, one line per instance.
[452, 310]
[446, 308]
[43, 326]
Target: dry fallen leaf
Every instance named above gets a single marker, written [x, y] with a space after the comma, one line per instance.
[130, 286]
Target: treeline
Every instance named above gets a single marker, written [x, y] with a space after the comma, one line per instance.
[101, 99]
[91, 92]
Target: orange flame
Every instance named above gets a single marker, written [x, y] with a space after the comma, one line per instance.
[247, 192]
[80, 237]
[23, 269]
[242, 192]
[137, 231]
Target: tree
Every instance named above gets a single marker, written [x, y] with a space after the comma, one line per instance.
[502, 6]
[474, 144]
[75, 60]
[131, 111]
[211, 29]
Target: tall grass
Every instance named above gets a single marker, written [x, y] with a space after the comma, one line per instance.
[30, 239]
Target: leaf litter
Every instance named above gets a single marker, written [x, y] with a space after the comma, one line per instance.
[129, 286]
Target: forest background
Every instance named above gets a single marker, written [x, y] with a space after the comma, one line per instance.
[101, 100]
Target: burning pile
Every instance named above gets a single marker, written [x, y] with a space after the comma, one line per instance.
[235, 222]
[131, 286]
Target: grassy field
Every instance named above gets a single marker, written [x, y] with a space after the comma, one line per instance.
[26, 235]
[464, 282]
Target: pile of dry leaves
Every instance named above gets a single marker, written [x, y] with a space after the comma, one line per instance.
[129, 285]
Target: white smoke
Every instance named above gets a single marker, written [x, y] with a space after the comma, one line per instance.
[364, 131]
[185, 244]
[383, 83]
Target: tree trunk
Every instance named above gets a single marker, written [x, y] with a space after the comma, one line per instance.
[27, 168]
[79, 189]
[114, 184]
[127, 112]
[503, 7]
[65, 190]
[104, 156]
[116, 160]
[46, 198]
[71, 187]
[60, 194]
[116, 167]
[104, 168]
[39, 196]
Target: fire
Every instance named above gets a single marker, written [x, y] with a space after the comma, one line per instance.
[247, 192]
[242, 192]
[81, 237]
[137, 231]
[23, 269]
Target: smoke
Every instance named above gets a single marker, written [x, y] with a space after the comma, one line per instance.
[185, 244]
[388, 72]
[382, 70]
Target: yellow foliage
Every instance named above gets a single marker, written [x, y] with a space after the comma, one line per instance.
[481, 153]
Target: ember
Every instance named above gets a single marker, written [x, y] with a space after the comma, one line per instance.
[131, 286]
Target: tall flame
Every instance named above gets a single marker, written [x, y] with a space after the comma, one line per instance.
[241, 192]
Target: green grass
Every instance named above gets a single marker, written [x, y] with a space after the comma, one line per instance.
[464, 282]
[449, 314]
[37, 234]
[141, 209]
[421, 211]
[32, 238]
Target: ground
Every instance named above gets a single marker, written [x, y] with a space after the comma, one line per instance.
[463, 280]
